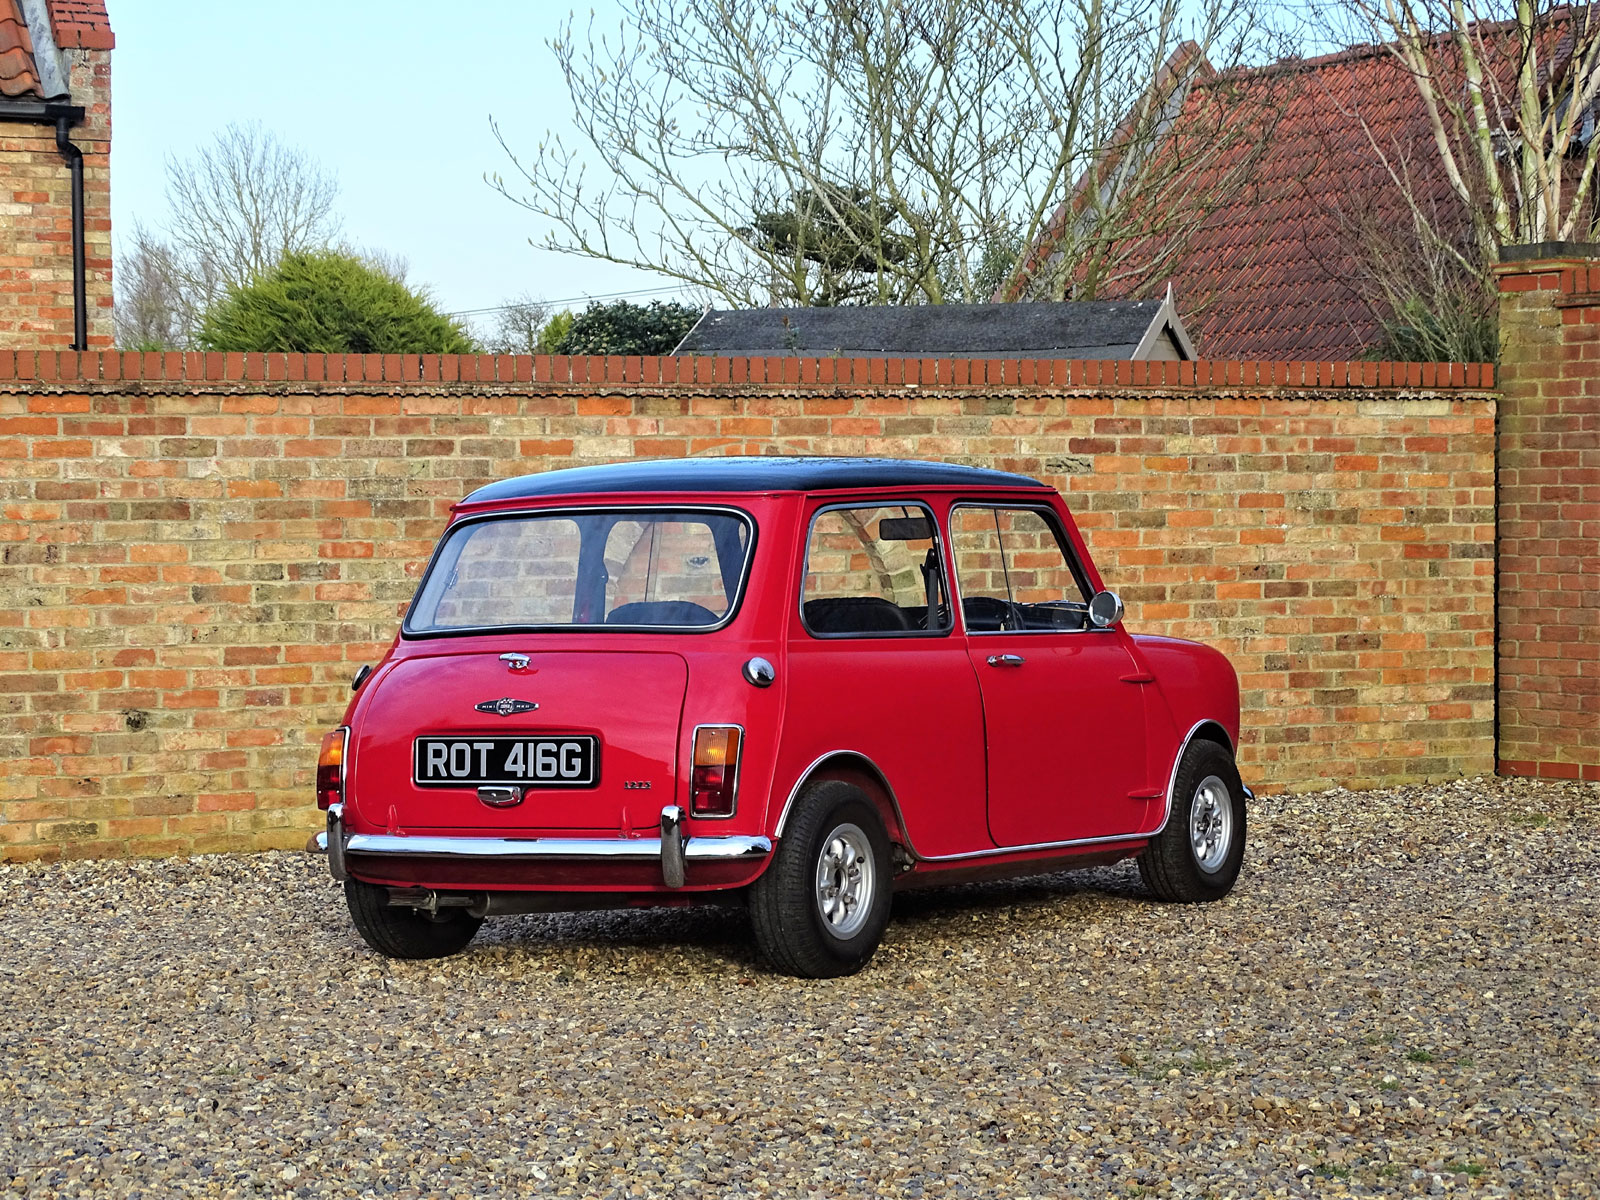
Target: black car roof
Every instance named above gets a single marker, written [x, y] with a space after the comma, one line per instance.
[747, 474]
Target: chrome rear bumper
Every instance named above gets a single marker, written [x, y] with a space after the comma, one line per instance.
[672, 850]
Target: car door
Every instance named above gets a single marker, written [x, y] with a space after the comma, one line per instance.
[876, 668]
[1063, 701]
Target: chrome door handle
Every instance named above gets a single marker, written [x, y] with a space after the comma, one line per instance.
[1005, 660]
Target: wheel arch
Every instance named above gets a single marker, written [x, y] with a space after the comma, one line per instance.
[1207, 729]
[853, 767]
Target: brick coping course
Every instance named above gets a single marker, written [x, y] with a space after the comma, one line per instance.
[29, 367]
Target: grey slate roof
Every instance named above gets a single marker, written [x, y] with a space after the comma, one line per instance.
[1120, 329]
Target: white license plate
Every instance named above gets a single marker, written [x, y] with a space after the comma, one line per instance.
[525, 761]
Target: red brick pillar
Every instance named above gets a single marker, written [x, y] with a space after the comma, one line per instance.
[1549, 512]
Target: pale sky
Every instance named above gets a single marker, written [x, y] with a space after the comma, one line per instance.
[394, 97]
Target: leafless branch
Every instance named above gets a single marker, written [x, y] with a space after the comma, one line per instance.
[938, 131]
[235, 209]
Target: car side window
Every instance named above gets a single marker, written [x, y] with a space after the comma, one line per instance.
[1014, 574]
[874, 572]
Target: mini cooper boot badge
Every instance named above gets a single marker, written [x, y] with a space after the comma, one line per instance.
[506, 706]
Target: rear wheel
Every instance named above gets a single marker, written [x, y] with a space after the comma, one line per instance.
[820, 909]
[406, 932]
[1198, 855]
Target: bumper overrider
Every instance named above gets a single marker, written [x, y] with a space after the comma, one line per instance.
[672, 849]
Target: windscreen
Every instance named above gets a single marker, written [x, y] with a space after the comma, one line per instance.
[632, 569]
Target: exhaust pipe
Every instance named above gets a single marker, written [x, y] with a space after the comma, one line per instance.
[515, 904]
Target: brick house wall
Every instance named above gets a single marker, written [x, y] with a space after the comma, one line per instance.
[1549, 514]
[197, 552]
[36, 206]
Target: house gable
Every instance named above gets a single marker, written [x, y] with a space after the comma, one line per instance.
[1282, 267]
[55, 105]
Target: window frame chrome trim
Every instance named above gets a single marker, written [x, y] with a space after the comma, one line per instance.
[734, 606]
[1063, 543]
[891, 634]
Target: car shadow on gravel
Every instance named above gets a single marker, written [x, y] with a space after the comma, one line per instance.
[722, 932]
[1042, 894]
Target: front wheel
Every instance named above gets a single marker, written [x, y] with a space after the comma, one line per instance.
[406, 932]
[1197, 856]
[820, 908]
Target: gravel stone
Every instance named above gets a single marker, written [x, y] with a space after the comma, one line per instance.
[1400, 998]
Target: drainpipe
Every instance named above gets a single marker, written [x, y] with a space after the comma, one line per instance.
[80, 300]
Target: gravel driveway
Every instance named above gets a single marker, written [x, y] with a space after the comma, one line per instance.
[1401, 997]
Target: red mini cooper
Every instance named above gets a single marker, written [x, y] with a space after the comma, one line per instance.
[803, 681]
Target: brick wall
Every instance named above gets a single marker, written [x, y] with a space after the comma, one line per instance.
[36, 218]
[198, 552]
[1549, 515]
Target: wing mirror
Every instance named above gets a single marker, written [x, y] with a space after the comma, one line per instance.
[1105, 610]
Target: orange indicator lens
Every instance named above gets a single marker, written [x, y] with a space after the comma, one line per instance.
[330, 768]
[714, 782]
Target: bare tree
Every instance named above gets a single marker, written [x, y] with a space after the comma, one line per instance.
[1509, 90]
[245, 201]
[517, 326]
[1188, 145]
[147, 298]
[393, 266]
[235, 209]
[868, 150]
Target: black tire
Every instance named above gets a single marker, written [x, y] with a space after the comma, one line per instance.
[1172, 867]
[406, 932]
[786, 903]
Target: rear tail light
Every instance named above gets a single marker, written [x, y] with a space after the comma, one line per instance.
[330, 767]
[714, 783]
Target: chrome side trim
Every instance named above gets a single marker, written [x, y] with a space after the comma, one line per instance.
[1035, 846]
[695, 849]
[805, 777]
[1166, 814]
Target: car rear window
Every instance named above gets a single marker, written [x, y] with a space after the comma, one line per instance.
[614, 570]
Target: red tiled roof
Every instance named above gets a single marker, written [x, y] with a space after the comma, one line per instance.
[1280, 269]
[81, 24]
[18, 74]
